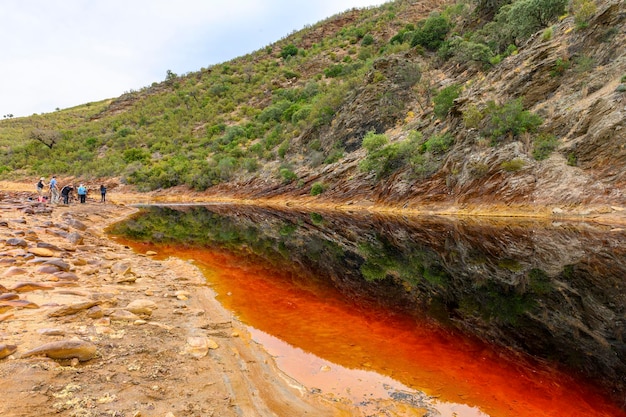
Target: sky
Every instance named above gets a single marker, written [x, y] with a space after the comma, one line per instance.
[62, 53]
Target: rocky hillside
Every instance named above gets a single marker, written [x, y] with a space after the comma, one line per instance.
[410, 104]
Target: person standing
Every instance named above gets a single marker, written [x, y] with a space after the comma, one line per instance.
[103, 193]
[65, 193]
[40, 186]
[54, 190]
[82, 193]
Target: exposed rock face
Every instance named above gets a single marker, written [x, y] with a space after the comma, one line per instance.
[375, 106]
[581, 106]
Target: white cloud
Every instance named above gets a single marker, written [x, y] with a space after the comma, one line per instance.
[59, 54]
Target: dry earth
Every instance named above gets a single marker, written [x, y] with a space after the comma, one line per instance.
[119, 333]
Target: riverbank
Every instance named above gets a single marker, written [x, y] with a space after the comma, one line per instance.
[90, 328]
[598, 214]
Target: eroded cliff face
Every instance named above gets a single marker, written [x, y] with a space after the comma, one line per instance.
[584, 107]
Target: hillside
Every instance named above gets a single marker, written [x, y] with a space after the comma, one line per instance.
[479, 103]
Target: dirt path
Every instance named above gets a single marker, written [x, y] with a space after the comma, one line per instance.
[163, 346]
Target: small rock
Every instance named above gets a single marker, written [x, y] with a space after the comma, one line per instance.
[17, 242]
[66, 276]
[80, 262]
[122, 268]
[48, 269]
[9, 296]
[45, 252]
[123, 315]
[49, 246]
[76, 224]
[14, 270]
[65, 349]
[75, 238]
[7, 350]
[127, 279]
[95, 312]
[17, 304]
[73, 309]
[182, 293]
[30, 286]
[141, 307]
[51, 332]
[64, 266]
[198, 346]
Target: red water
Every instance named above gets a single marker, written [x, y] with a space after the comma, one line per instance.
[419, 354]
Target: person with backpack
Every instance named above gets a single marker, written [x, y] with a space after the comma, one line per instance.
[82, 193]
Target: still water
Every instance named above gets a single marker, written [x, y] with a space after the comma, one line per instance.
[462, 318]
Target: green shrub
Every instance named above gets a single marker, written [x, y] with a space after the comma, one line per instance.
[547, 34]
[583, 12]
[367, 40]
[525, 17]
[560, 66]
[509, 119]
[135, 154]
[250, 164]
[439, 144]
[274, 112]
[472, 117]
[513, 165]
[431, 32]
[583, 64]
[478, 169]
[572, 159]
[335, 155]
[317, 188]
[543, 146]
[372, 141]
[288, 175]
[283, 148]
[289, 51]
[445, 99]
[464, 52]
[334, 71]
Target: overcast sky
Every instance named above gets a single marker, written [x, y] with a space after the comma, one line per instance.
[62, 53]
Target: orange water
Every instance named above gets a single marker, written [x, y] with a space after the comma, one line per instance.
[419, 354]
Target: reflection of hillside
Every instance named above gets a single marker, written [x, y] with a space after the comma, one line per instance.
[554, 291]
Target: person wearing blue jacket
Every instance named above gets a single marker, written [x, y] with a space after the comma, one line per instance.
[82, 193]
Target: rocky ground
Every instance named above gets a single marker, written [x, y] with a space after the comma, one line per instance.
[90, 328]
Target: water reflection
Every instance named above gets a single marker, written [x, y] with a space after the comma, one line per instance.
[553, 291]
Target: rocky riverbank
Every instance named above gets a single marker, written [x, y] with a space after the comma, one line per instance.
[90, 328]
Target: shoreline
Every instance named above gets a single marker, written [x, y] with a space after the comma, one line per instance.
[90, 327]
[601, 214]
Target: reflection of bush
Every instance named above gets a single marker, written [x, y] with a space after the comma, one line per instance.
[413, 265]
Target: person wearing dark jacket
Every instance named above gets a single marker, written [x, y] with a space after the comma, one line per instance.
[103, 193]
[66, 192]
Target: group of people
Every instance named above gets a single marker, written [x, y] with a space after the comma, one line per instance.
[66, 192]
